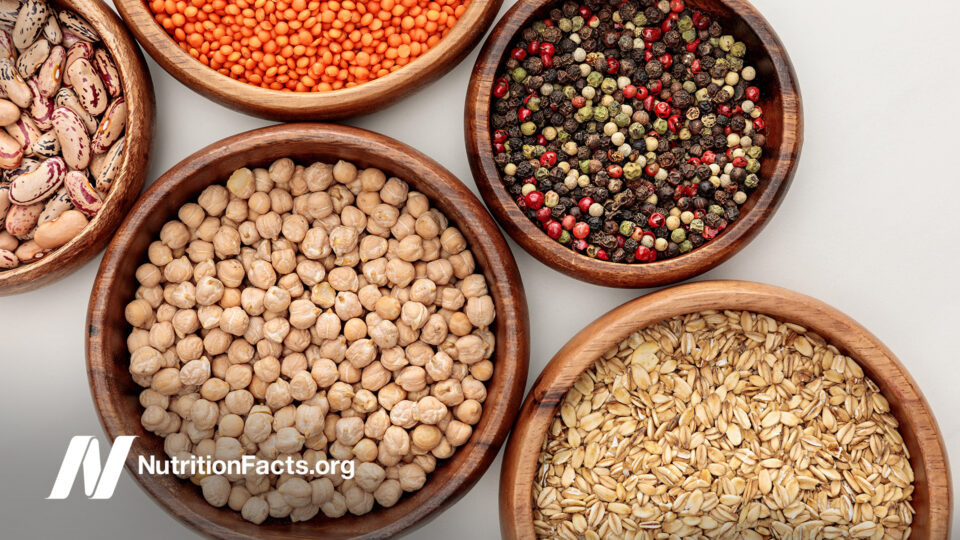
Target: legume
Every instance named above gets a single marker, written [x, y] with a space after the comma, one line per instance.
[311, 336]
[62, 145]
[628, 131]
[307, 46]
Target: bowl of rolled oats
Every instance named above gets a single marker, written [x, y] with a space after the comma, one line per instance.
[725, 410]
[312, 331]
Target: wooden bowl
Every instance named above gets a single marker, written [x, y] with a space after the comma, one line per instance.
[138, 91]
[782, 111]
[932, 496]
[298, 106]
[116, 395]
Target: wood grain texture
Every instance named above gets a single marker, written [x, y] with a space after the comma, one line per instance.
[932, 498]
[783, 113]
[298, 106]
[138, 92]
[116, 396]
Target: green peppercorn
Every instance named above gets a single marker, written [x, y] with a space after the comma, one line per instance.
[753, 166]
[565, 25]
[601, 114]
[696, 225]
[633, 171]
[685, 23]
[594, 78]
[690, 87]
[738, 49]
[640, 20]
[533, 103]
[585, 166]
[541, 173]
[755, 152]
[736, 64]
[576, 23]
[726, 42]
[689, 35]
[608, 86]
[678, 236]
[564, 237]
[715, 209]
[636, 130]
[627, 227]
[539, 26]
[528, 128]
[519, 74]
[701, 95]
[528, 151]
[622, 119]
[569, 92]
[685, 246]
[661, 126]
[752, 181]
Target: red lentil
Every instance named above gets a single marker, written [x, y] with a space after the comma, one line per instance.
[307, 45]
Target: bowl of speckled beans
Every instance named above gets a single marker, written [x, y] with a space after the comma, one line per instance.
[633, 144]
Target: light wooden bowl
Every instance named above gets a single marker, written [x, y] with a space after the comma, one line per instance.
[138, 91]
[783, 113]
[298, 106]
[932, 496]
[116, 396]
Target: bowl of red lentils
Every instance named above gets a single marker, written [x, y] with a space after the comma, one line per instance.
[307, 59]
[633, 144]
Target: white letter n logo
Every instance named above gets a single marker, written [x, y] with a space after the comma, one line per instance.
[98, 483]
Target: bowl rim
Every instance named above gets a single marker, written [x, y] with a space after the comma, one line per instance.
[511, 355]
[138, 93]
[544, 398]
[664, 272]
[298, 106]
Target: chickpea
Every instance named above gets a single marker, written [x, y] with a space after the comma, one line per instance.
[480, 311]
[236, 210]
[411, 477]
[230, 272]
[463, 264]
[428, 225]
[347, 305]
[216, 490]
[145, 361]
[449, 392]
[400, 272]
[284, 261]
[434, 330]
[354, 329]
[473, 286]
[139, 313]
[340, 396]
[233, 321]
[405, 414]
[417, 204]
[349, 430]
[458, 433]
[226, 242]
[149, 275]
[396, 440]
[423, 291]
[468, 412]
[303, 314]
[470, 349]
[440, 366]
[426, 437]
[159, 254]
[394, 192]
[474, 389]
[214, 199]
[278, 394]
[310, 272]
[239, 402]
[208, 228]
[167, 381]
[415, 315]
[195, 372]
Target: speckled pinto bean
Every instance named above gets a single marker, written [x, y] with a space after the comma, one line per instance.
[31, 59]
[22, 220]
[110, 165]
[9, 112]
[41, 108]
[66, 97]
[56, 205]
[13, 84]
[25, 131]
[83, 195]
[47, 146]
[77, 51]
[111, 126]
[11, 153]
[52, 31]
[33, 14]
[108, 72]
[77, 26]
[7, 50]
[51, 72]
[85, 81]
[73, 137]
[334, 335]
[4, 200]
[9, 9]
[38, 184]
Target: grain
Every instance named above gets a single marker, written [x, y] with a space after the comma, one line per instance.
[724, 425]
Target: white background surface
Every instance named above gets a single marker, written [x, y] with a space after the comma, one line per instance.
[869, 226]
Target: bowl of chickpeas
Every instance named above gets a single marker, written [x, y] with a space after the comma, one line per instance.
[314, 294]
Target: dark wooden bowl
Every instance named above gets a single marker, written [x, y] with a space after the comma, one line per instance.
[932, 495]
[783, 113]
[298, 106]
[138, 91]
[116, 396]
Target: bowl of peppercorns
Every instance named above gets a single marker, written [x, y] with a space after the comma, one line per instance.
[637, 143]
